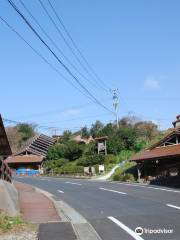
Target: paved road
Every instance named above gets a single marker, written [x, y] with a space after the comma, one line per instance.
[116, 209]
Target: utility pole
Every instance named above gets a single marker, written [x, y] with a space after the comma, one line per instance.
[115, 98]
[53, 131]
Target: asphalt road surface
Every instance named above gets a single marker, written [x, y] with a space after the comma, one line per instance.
[116, 209]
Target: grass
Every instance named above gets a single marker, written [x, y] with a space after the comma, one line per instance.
[120, 171]
[13, 224]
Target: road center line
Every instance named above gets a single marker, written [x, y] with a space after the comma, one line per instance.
[110, 190]
[60, 191]
[173, 206]
[156, 188]
[125, 228]
[74, 183]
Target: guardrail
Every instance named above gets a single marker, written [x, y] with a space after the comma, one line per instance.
[5, 172]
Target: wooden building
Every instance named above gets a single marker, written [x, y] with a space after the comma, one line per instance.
[162, 160]
[5, 149]
[29, 160]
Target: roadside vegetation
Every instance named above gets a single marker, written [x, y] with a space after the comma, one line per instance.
[132, 136]
[68, 156]
[19, 134]
[14, 224]
[16, 228]
[9, 223]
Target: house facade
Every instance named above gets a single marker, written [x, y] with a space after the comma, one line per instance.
[29, 160]
[162, 160]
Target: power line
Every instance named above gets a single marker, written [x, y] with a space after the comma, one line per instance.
[57, 58]
[75, 45]
[79, 118]
[68, 45]
[43, 127]
[41, 56]
[85, 105]
[56, 46]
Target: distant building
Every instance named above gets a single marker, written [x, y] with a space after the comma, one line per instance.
[75, 137]
[29, 160]
[162, 160]
[79, 139]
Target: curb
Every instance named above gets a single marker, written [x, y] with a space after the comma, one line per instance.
[81, 227]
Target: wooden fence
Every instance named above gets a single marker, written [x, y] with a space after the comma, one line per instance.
[5, 172]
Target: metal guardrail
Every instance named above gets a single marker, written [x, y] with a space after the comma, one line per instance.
[5, 172]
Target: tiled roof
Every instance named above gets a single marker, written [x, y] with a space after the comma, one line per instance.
[24, 159]
[174, 131]
[158, 152]
[38, 145]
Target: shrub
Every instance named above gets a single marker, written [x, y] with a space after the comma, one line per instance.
[56, 152]
[70, 169]
[90, 149]
[124, 155]
[69, 150]
[123, 177]
[81, 161]
[54, 164]
[140, 144]
[122, 171]
[128, 177]
[91, 160]
[116, 177]
[73, 150]
[110, 158]
[7, 223]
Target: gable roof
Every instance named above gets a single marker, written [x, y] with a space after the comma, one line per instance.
[158, 153]
[161, 149]
[5, 148]
[24, 159]
[37, 145]
[175, 131]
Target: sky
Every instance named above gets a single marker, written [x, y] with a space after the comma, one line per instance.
[132, 45]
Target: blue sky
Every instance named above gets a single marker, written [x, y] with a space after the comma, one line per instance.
[132, 45]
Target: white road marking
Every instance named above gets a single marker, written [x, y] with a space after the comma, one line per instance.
[110, 190]
[156, 188]
[60, 191]
[74, 183]
[173, 206]
[44, 179]
[125, 228]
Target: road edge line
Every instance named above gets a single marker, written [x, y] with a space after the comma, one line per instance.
[69, 214]
[125, 228]
[172, 206]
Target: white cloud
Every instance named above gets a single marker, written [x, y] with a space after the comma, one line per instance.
[151, 83]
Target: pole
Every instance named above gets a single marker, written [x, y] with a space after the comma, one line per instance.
[115, 98]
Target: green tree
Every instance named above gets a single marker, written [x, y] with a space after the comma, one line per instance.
[54, 164]
[91, 160]
[69, 150]
[66, 136]
[85, 133]
[90, 149]
[27, 131]
[107, 130]
[56, 152]
[96, 128]
[73, 150]
[146, 129]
